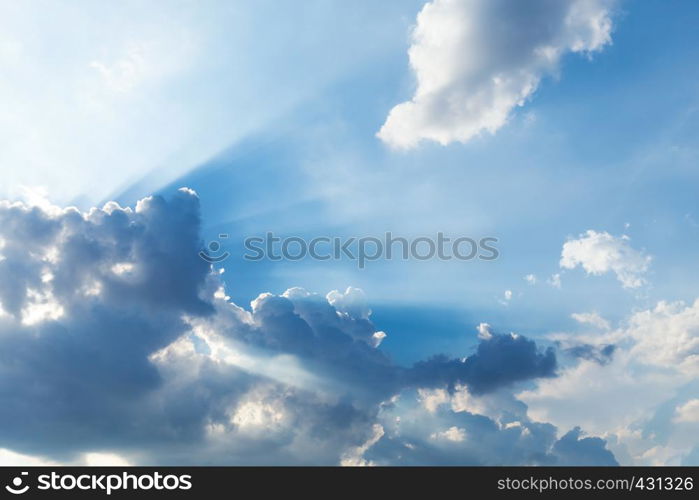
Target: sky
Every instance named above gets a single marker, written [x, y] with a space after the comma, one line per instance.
[134, 134]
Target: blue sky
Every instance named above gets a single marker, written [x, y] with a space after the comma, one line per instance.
[583, 165]
[581, 155]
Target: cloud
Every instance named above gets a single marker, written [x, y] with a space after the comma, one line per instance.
[574, 450]
[633, 384]
[688, 412]
[70, 374]
[355, 457]
[600, 253]
[451, 434]
[119, 344]
[601, 354]
[555, 280]
[500, 361]
[484, 331]
[667, 336]
[591, 318]
[476, 60]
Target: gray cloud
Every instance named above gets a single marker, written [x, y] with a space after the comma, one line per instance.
[448, 437]
[573, 449]
[500, 360]
[602, 354]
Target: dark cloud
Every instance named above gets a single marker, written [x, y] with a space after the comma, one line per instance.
[76, 335]
[572, 449]
[500, 360]
[601, 354]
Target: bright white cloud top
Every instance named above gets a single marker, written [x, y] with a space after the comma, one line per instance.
[600, 253]
[476, 60]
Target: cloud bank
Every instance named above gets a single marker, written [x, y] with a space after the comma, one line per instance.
[476, 60]
[117, 340]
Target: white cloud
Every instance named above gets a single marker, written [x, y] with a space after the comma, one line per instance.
[476, 60]
[600, 252]
[96, 459]
[355, 457]
[555, 280]
[688, 412]
[352, 302]
[377, 338]
[667, 336]
[591, 318]
[9, 458]
[432, 399]
[453, 433]
[260, 413]
[40, 307]
[655, 362]
[484, 331]
[530, 278]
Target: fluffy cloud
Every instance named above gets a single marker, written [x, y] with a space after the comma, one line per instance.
[688, 412]
[77, 327]
[635, 385]
[451, 429]
[667, 336]
[117, 342]
[600, 252]
[476, 60]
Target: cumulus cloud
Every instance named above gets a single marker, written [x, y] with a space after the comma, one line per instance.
[476, 60]
[453, 432]
[75, 335]
[600, 253]
[634, 384]
[119, 344]
[667, 336]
